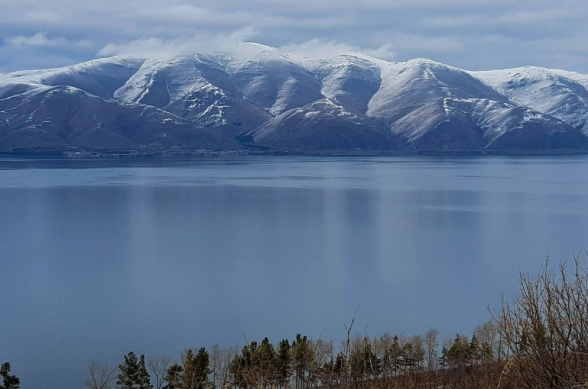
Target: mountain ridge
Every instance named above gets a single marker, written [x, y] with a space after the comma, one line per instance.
[253, 98]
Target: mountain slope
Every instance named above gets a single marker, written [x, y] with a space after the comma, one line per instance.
[438, 107]
[348, 80]
[561, 94]
[64, 117]
[270, 80]
[324, 126]
[196, 88]
[101, 77]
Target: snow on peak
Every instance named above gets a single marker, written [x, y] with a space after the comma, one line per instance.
[559, 93]
[252, 56]
[496, 78]
[423, 62]
[41, 76]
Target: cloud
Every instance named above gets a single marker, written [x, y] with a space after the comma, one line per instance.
[506, 19]
[317, 48]
[40, 39]
[185, 13]
[451, 31]
[453, 21]
[532, 17]
[421, 43]
[151, 46]
[43, 17]
[389, 50]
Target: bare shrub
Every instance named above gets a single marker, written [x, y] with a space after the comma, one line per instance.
[546, 330]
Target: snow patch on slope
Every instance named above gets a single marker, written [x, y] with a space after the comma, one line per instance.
[558, 93]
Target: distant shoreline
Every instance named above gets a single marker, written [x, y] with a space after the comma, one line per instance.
[93, 154]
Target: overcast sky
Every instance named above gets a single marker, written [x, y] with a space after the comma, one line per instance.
[470, 34]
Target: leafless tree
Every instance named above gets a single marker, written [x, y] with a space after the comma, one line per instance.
[222, 368]
[323, 353]
[546, 329]
[489, 333]
[431, 341]
[100, 376]
[347, 349]
[159, 368]
[215, 357]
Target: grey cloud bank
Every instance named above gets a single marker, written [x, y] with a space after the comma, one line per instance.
[475, 35]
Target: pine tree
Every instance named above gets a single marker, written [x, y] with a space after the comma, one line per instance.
[302, 356]
[174, 378]
[475, 349]
[133, 374]
[267, 362]
[237, 372]
[395, 352]
[196, 368]
[486, 352]
[144, 379]
[444, 358]
[242, 367]
[283, 363]
[9, 381]
[364, 362]
[459, 354]
[129, 371]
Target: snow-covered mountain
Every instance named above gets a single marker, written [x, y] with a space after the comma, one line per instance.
[252, 97]
[561, 94]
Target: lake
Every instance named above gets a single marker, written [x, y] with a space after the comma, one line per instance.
[102, 257]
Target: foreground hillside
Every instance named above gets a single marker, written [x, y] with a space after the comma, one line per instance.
[254, 99]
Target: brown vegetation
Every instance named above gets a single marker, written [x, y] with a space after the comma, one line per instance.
[539, 340]
[546, 331]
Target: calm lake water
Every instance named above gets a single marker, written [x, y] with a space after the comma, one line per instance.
[99, 258]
